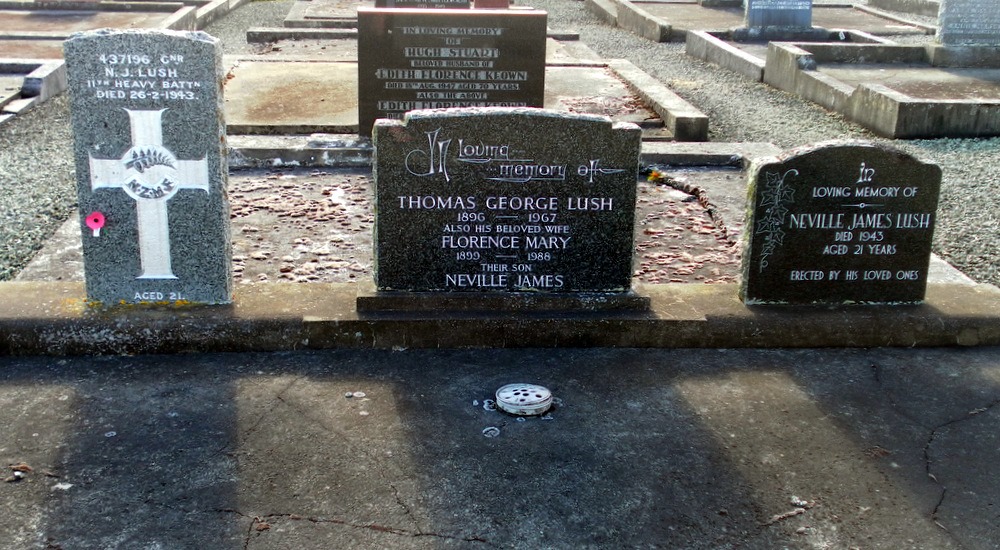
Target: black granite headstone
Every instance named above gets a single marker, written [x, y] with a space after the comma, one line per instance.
[498, 199]
[424, 4]
[839, 222]
[433, 59]
[151, 166]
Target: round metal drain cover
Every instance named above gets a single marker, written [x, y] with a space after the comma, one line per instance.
[524, 399]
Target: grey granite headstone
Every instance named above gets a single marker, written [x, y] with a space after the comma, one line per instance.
[151, 166]
[839, 222]
[779, 13]
[503, 200]
[969, 22]
[433, 59]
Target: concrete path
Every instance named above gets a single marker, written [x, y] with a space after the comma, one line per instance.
[645, 449]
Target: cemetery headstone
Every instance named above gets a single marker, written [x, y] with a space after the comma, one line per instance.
[503, 200]
[423, 4]
[969, 22]
[779, 13]
[432, 59]
[492, 4]
[839, 222]
[150, 165]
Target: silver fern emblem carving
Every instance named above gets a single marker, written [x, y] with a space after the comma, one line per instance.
[144, 159]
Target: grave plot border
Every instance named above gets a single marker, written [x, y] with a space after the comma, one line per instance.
[716, 47]
[187, 14]
[792, 67]
[182, 17]
[633, 17]
[297, 18]
[43, 78]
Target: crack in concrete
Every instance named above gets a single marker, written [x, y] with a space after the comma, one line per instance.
[928, 462]
[263, 416]
[261, 520]
[399, 499]
[374, 458]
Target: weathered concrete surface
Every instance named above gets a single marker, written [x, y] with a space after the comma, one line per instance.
[273, 97]
[31, 49]
[702, 449]
[68, 22]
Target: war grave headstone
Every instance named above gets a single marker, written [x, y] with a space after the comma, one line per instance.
[429, 59]
[839, 222]
[969, 22]
[151, 166]
[504, 200]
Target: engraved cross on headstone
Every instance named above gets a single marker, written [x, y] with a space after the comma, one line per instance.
[150, 174]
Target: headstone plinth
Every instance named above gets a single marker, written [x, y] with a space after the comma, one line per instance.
[839, 223]
[151, 166]
[504, 201]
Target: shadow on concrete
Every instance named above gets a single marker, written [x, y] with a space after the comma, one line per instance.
[645, 448]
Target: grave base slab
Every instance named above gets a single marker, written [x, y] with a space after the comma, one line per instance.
[53, 319]
[273, 96]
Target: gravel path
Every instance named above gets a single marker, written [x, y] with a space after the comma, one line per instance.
[36, 159]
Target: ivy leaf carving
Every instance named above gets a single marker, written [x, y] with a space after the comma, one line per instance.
[774, 200]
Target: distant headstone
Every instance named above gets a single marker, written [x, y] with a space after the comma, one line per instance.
[969, 22]
[433, 59]
[492, 4]
[424, 4]
[838, 223]
[501, 200]
[151, 165]
[779, 13]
